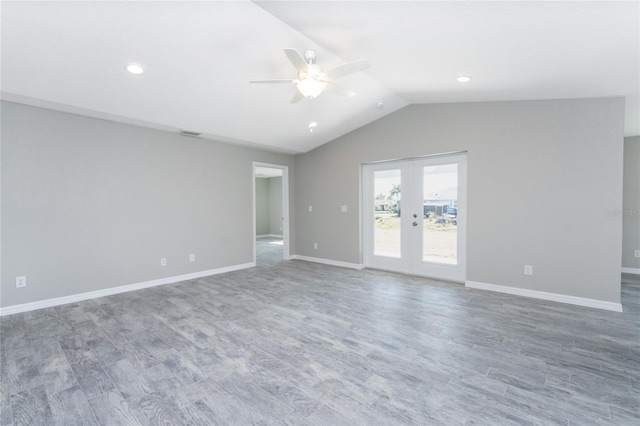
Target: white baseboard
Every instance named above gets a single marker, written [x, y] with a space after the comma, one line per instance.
[328, 261]
[635, 271]
[562, 298]
[25, 307]
[269, 236]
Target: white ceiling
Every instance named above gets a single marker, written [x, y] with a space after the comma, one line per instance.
[199, 57]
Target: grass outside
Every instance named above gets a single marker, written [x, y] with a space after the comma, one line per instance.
[439, 239]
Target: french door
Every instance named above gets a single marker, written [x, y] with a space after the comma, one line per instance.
[415, 215]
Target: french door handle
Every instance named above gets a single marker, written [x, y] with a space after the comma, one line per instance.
[415, 223]
[415, 215]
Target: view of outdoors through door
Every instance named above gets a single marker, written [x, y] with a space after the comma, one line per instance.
[387, 187]
[440, 211]
[415, 216]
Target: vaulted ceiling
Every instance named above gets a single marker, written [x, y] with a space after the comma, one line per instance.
[199, 56]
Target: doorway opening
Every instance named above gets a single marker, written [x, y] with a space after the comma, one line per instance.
[271, 213]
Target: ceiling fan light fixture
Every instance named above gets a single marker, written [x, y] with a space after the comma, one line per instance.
[464, 79]
[310, 87]
[312, 79]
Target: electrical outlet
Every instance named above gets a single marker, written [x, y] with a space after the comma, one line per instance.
[192, 257]
[310, 208]
[636, 253]
[21, 282]
[315, 246]
[528, 270]
[343, 209]
[163, 261]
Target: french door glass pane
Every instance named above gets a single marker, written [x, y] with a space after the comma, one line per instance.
[440, 211]
[387, 207]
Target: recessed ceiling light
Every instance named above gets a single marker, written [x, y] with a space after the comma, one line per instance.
[135, 69]
[464, 79]
[380, 104]
[312, 126]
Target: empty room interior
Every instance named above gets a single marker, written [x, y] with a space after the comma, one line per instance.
[320, 213]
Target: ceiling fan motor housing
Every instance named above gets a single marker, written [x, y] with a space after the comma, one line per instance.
[312, 71]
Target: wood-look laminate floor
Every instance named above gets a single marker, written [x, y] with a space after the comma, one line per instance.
[306, 344]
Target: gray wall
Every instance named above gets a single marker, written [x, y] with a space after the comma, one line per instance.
[275, 206]
[554, 167]
[631, 203]
[89, 204]
[262, 206]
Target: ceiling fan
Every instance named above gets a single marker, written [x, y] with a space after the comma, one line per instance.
[312, 81]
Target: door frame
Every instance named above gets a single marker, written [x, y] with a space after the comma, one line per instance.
[286, 254]
[410, 264]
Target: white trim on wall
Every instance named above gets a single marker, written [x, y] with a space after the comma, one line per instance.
[269, 236]
[25, 307]
[635, 271]
[562, 298]
[327, 261]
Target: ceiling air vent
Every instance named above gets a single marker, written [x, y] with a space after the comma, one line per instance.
[190, 133]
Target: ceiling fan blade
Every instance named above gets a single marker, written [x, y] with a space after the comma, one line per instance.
[272, 81]
[297, 97]
[339, 90]
[294, 57]
[348, 68]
